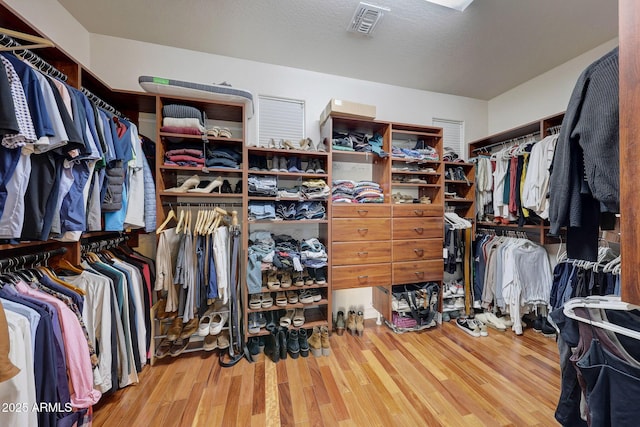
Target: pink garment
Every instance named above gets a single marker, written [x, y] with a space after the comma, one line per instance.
[513, 180]
[182, 130]
[76, 348]
[186, 158]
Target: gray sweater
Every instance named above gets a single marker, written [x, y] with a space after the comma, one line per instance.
[585, 173]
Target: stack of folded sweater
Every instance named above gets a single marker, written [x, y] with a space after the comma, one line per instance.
[182, 119]
[224, 157]
[342, 191]
[368, 192]
[184, 154]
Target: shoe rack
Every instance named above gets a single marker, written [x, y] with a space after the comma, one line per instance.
[305, 299]
[460, 188]
[398, 242]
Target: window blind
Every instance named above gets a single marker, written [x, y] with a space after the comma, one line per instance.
[280, 118]
[453, 135]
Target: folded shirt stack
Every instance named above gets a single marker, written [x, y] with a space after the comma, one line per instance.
[424, 154]
[224, 157]
[182, 119]
[315, 189]
[184, 157]
[342, 191]
[368, 192]
[264, 186]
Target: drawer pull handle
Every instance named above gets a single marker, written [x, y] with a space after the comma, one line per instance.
[362, 211]
[418, 230]
[419, 212]
[419, 273]
[362, 277]
[362, 230]
[419, 252]
[363, 253]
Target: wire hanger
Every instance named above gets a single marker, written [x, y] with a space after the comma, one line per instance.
[35, 41]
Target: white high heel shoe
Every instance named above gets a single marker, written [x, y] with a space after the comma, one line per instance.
[319, 146]
[216, 183]
[187, 185]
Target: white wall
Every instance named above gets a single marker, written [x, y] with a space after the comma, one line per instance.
[57, 24]
[541, 96]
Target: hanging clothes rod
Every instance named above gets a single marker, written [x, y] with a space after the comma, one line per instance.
[554, 129]
[35, 42]
[9, 44]
[202, 205]
[508, 141]
[19, 262]
[101, 103]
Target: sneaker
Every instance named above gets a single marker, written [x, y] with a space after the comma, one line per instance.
[275, 164]
[262, 320]
[292, 165]
[253, 325]
[445, 317]
[321, 278]
[481, 327]
[306, 297]
[492, 321]
[469, 326]
[283, 164]
[459, 303]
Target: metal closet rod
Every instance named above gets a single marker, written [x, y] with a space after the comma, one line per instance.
[22, 260]
[508, 141]
[32, 58]
[202, 205]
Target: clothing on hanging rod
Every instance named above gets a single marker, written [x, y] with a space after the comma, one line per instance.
[202, 205]
[102, 103]
[35, 42]
[554, 129]
[508, 141]
[27, 55]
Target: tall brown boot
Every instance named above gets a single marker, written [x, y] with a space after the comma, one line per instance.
[351, 322]
[360, 323]
[7, 369]
[315, 342]
[324, 339]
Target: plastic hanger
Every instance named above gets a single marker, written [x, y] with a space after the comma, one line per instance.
[601, 302]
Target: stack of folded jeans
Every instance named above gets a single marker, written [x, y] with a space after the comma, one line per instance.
[184, 157]
[224, 157]
[313, 253]
[259, 210]
[315, 189]
[287, 253]
[423, 154]
[368, 192]
[286, 210]
[289, 193]
[310, 210]
[261, 252]
[262, 186]
[342, 191]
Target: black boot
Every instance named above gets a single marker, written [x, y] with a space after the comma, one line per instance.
[302, 342]
[226, 187]
[282, 338]
[272, 345]
[293, 344]
[253, 346]
[238, 189]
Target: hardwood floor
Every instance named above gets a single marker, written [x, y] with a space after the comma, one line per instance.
[440, 377]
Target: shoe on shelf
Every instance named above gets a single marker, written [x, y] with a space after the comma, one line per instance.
[305, 144]
[459, 303]
[187, 185]
[315, 342]
[163, 348]
[205, 324]
[267, 300]
[210, 343]
[286, 144]
[255, 301]
[310, 166]
[340, 323]
[179, 346]
[292, 297]
[303, 342]
[293, 344]
[272, 280]
[175, 329]
[287, 319]
[298, 279]
[275, 164]
[282, 166]
[262, 320]
[285, 279]
[306, 297]
[223, 340]
[468, 325]
[316, 295]
[324, 340]
[281, 299]
[308, 277]
[298, 317]
[217, 322]
[359, 323]
[226, 187]
[216, 183]
[292, 165]
[320, 274]
[252, 323]
[238, 189]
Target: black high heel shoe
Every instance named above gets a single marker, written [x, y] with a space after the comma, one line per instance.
[238, 189]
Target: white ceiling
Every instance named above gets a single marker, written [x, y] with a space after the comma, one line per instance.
[491, 47]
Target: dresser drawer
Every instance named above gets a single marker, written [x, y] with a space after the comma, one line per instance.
[357, 229]
[417, 250]
[419, 271]
[417, 228]
[343, 253]
[417, 210]
[361, 211]
[360, 276]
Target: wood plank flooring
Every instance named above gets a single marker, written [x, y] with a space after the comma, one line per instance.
[440, 377]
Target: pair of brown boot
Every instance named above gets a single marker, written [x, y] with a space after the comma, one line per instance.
[355, 322]
[319, 341]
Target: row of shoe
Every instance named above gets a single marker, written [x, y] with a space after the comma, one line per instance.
[407, 179]
[180, 334]
[305, 144]
[282, 298]
[293, 164]
[453, 288]
[284, 318]
[453, 303]
[354, 322]
[295, 342]
[276, 279]
[195, 185]
[400, 198]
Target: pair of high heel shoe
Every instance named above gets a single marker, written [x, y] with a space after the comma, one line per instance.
[307, 144]
[282, 144]
[192, 185]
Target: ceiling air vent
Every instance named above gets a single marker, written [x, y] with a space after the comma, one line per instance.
[365, 18]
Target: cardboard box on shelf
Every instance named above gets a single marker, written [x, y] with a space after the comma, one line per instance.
[342, 108]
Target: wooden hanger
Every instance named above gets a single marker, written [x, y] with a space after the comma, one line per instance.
[35, 41]
[171, 215]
